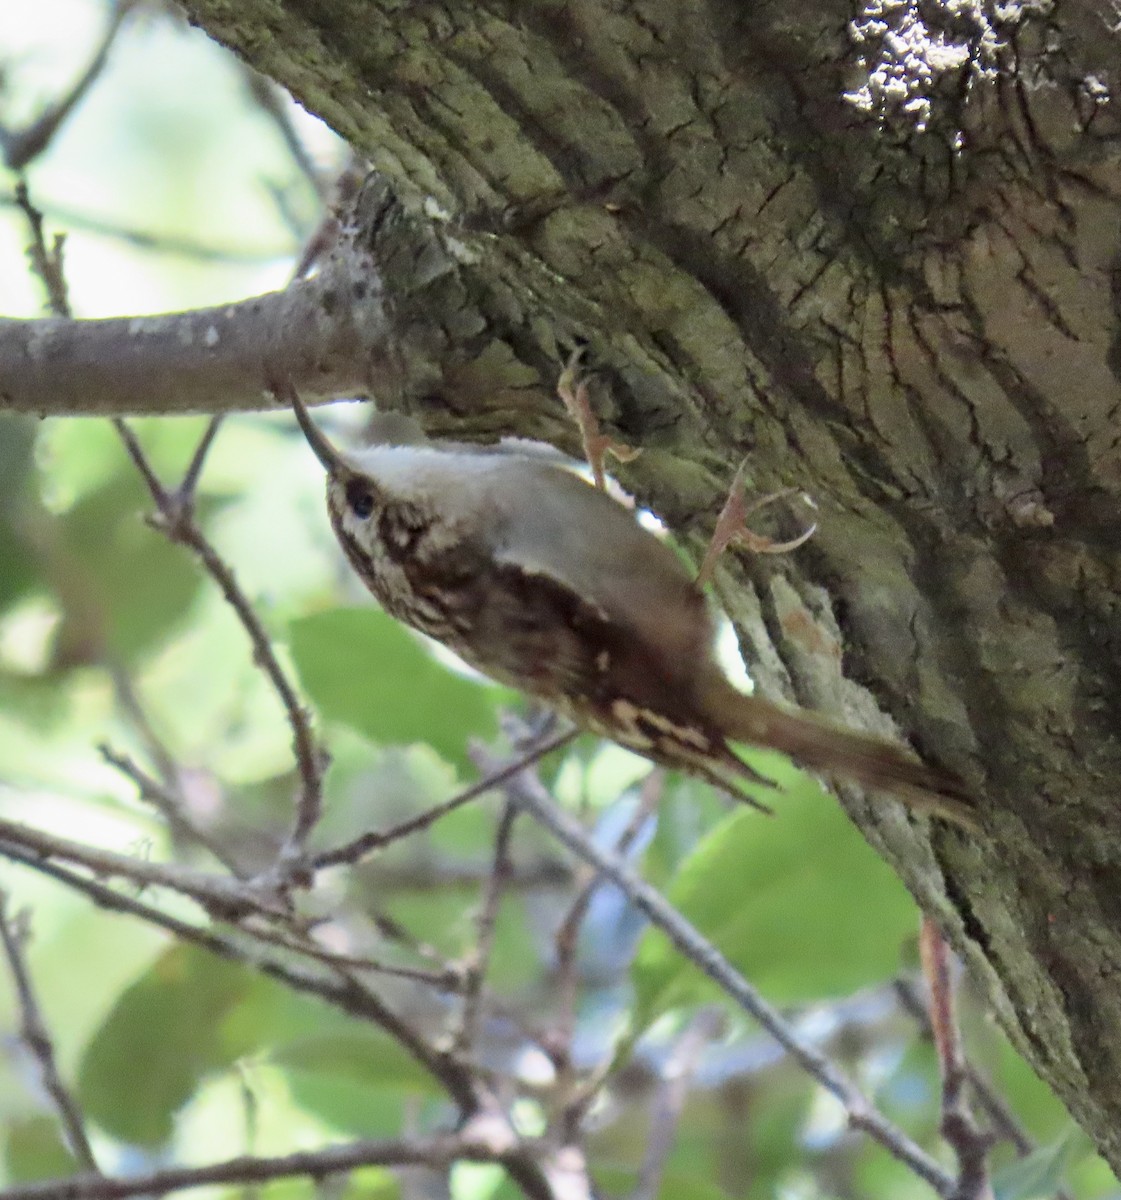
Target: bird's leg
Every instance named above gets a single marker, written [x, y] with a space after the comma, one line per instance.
[572, 389]
[732, 528]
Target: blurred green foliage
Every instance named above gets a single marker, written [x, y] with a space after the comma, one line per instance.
[358, 669]
[108, 633]
[776, 912]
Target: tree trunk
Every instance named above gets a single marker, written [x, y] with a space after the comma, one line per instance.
[878, 259]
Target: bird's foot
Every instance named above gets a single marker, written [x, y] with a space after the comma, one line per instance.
[572, 389]
[732, 528]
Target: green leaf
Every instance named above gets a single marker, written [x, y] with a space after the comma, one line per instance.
[191, 1014]
[366, 670]
[347, 1073]
[123, 586]
[17, 560]
[1039, 1175]
[364, 1055]
[34, 1150]
[475, 1181]
[798, 903]
[352, 1109]
[18, 568]
[370, 1183]
[1036, 1105]
[355, 1078]
[163, 1036]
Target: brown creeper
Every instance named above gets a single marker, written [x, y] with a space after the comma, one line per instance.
[548, 585]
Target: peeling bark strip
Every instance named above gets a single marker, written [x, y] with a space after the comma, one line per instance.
[919, 328]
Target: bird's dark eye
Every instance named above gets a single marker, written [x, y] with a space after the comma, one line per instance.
[360, 498]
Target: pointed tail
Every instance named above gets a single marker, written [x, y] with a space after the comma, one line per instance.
[815, 743]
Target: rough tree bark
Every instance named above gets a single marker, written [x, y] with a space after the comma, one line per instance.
[881, 258]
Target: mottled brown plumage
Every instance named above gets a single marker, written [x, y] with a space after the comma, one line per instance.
[548, 585]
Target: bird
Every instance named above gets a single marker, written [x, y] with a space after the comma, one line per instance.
[547, 584]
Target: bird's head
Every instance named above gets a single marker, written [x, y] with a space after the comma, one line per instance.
[353, 498]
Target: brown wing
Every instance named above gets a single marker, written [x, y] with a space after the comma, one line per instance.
[559, 527]
[600, 673]
[546, 639]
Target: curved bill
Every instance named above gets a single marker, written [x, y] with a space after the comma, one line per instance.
[331, 459]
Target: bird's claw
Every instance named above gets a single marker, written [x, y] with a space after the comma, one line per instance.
[572, 389]
[732, 528]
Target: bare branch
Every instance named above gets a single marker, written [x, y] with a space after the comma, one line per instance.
[36, 1037]
[175, 517]
[677, 1075]
[342, 989]
[218, 895]
[21, 146]
[566, 939]
[169, 805]
[861, 1113]
[476, 966]
[319, 333]
[970, 1143]
[46, 261]
[500, 774]
[481, 1141]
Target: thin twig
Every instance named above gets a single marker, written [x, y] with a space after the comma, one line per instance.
[475, 968]
[128, 699]
[309, 758]
[445, 978]
[344, 992]
[970, 1143]
[473, 1144]
[22, 146]
[47, 264]
[392, 929]
[219, 895]
[162, 243]
[189, 486]
[698, 950]
[500, 773]
[36, 1037]
[566, 939]
[447, 874]
[169, 804]
[46, 261]
[677, 1077]
[275, 104]
[176, 520]
[993, 1105]
[140, 461]
[342, 989]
